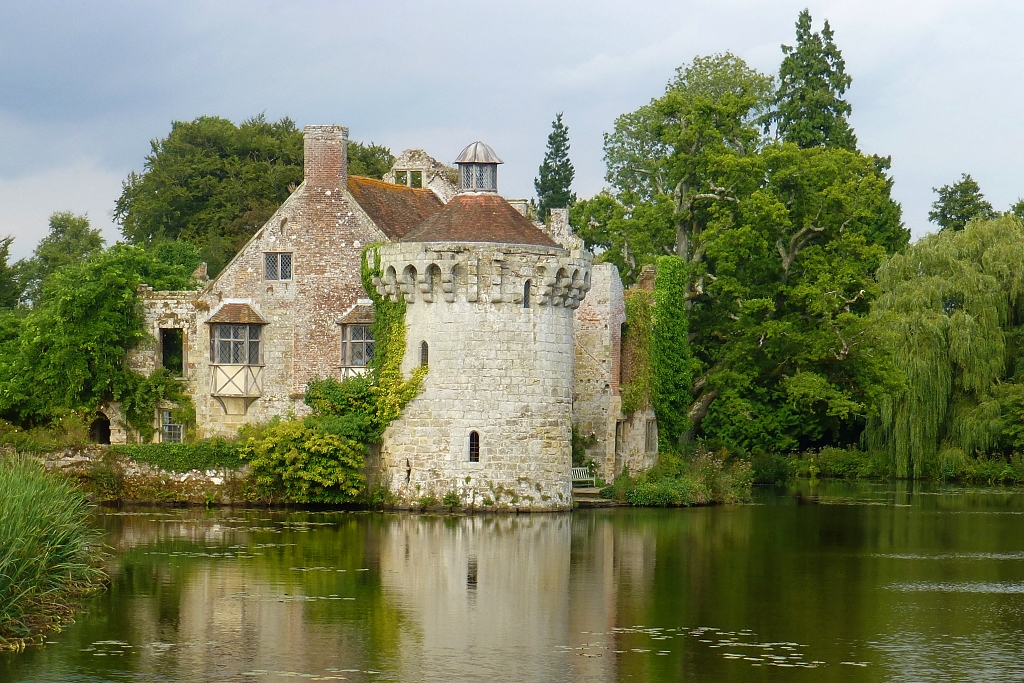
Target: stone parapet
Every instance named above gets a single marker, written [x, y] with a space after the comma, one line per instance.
[483, 273]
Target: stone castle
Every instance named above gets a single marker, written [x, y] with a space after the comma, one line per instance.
[521, 332]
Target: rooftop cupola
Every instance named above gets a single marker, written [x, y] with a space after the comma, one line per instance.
[478, 168]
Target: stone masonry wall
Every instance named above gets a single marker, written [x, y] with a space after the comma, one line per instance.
[598, 334]
[496, 367]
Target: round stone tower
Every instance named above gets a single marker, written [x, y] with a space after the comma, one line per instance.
[490, 300]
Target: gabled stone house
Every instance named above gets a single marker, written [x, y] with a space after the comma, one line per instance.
[290, 307]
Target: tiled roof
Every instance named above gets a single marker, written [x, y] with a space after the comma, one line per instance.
[483, 217]
[394, 208]
[360, 314]
[238, 314]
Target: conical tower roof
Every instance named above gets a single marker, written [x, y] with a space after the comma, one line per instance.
[480, 217]
[478, 153]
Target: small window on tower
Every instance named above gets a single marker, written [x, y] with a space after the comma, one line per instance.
[424, 354]
[526, 294]
[415, 178]
[474, 447]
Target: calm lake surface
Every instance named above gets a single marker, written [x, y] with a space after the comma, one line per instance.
[842, 582]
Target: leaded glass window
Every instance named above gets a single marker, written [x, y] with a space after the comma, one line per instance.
[277, 266]
[171, 432]
[236, 345]
[356, 346]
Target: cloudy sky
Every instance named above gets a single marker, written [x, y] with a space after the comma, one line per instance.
[84, 87]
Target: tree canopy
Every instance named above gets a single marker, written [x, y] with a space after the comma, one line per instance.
[71, 240]
[69, 352]
[214, 184]
[554, 179]
[958, 204]
[809, 107]
[777, 244]
[952, 307]
[10, 289]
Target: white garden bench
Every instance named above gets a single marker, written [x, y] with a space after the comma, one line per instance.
[581, 475]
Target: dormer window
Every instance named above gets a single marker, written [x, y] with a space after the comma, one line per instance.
[409, 178]
[478, 168]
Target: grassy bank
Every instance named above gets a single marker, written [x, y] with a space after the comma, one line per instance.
[703, 478]
[852, 463]
[49, 554]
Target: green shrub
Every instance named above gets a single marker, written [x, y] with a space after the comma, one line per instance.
[771, 469]
[68, 429]
[451, 500]
[297, 463]
[427, 502]
[676, 480]
[49, 553]
[208, 454]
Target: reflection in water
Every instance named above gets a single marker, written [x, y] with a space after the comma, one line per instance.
[843, 582]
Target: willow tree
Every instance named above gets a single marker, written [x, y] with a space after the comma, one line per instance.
[951, 307]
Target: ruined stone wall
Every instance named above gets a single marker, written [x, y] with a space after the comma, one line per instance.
[598, 334]
[325, 230]
[437, 177]
[496, 367]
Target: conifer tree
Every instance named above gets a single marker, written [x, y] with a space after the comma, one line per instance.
[810, 109]
[554, 182]
[959, 203]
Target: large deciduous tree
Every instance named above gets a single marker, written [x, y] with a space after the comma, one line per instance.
[958, 204]
[69, 351]
[776, 247]
[554, 177]
[809, 107]
[952, 306]
[71, 240]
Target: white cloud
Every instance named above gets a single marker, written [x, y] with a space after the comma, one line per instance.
[81, 186]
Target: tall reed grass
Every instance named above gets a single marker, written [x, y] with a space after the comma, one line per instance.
[49, 554]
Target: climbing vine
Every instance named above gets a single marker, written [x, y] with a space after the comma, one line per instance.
[636, 351]
[671, 358]
[391, 390]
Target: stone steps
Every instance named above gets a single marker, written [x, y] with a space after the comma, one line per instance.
[590, 497]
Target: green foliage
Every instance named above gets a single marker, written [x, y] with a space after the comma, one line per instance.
[390, 389]
[208, 454]
[69, 352]
[702, 479]
[49, 553]
[369, 161]
[347, 408]
[671, 357]
[428, 502]
[10, 288]
[951, 311]
[451, 500]
[67, 429]
[810, 109]
[294, 462]
[960, 203]
[636, 351]
[580, 444]
[211, 183]
[554, 177]
[70, 242]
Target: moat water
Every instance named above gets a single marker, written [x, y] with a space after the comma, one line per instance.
[835, 582]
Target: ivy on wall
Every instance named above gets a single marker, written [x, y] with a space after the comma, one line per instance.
[636, 351]
[671, 358]
[392, 391]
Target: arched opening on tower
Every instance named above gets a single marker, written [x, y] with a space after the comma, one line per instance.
[474, 447]
[526, 294]
[424, 354]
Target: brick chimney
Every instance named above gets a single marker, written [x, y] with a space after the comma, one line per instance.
[326, 156]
